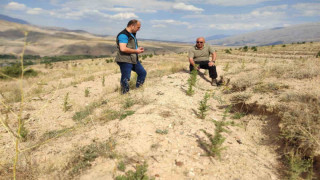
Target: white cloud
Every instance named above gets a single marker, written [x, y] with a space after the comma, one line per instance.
[120, 9]
[122, 16]
[16, 6]
[269, 11]
[273, 12]
[150, 6]
[159, 26]
[228, 2]
[185, 7]
[258, 18]
[137, 6]
[308, 9]
[169, 22]
[35, 11]
[67, 13]
[236, 26]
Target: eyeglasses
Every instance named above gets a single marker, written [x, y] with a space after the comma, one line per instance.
[199, 42]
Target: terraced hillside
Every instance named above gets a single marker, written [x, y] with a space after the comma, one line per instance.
[263, 124]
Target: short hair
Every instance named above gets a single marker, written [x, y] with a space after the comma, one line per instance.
[132, 22]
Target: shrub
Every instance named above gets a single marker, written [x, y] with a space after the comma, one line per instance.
[139, 174]
[125, 114]
[192, 81]
[227, 51]
[7, 56]
[16, 71]
[254, 48]
[226, 67]
[33, 57]
[121, 166]
[82, 114]
[203, 106]
[240, 98]
[128, 102]
[86, 92]
[298, 165]
[109, 115]
[214, 147]
[23, 132]
[159, 131]
[87, 154]
[103, 80]
[66, 105]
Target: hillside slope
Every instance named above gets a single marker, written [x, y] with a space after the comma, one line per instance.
[54, 41]
[78, 126]
[164, 130]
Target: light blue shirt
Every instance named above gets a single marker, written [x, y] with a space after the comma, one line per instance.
[124, 39]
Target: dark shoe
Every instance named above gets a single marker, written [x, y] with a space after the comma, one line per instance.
[213, 82]
[221, 81]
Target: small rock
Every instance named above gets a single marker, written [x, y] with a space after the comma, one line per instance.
[179, 163]
[160, 93]
[239, 141]
[27, 116]
[191, 174]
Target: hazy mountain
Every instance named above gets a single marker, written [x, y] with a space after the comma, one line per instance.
[64, 29]
[278, 35]
[215, 37]
[10, 19]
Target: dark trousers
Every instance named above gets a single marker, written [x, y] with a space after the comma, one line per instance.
[204, 65]
[126, 69]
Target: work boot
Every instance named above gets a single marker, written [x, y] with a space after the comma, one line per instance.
[213, 82]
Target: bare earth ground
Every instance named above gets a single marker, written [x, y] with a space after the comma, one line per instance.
[163, 131]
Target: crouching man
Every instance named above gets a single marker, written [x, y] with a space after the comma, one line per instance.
[200, 55]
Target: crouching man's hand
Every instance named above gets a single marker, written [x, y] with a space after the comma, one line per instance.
[211, 63]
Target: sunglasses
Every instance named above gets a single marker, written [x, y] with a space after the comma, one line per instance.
[199, 42]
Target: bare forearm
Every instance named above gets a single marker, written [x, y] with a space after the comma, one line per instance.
[192, 62]
[128, 50]
[125, 49]
[214, 56]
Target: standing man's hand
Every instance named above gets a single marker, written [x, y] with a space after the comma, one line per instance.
[140, 50]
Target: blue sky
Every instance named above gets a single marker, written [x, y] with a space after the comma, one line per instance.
[164, 19]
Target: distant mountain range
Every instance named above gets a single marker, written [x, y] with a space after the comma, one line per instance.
[10, 19]
[279, 35]
[216, 37]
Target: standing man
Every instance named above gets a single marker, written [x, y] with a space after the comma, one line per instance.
[127, 56]
[200, 54]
